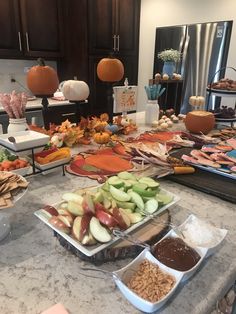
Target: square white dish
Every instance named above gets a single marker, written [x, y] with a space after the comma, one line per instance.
[92, 250]
[200, 250]
[52, 164]
[123, 275]
[218, 234]
[24, 140]
[23, 171]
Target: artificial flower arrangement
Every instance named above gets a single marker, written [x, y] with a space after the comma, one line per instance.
[169, 55]
[69, 134]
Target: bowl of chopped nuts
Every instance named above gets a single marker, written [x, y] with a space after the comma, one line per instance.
[147, 283]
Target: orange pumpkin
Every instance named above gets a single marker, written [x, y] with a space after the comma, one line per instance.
[42, 79]
[110, 70]
[199, 121]
[101, 137]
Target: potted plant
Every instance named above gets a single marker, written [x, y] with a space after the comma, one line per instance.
[169, 57]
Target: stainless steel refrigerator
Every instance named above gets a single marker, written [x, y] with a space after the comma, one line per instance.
[204, 49]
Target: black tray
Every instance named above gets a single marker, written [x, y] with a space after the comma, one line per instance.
[207, 182]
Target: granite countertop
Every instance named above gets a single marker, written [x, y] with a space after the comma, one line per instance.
[36, 271]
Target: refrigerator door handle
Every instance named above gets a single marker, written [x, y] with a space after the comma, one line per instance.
[184, 54]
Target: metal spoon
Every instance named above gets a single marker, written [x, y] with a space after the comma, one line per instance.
[106, 272]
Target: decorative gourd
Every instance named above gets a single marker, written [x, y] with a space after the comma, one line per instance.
[110, 70]
[197, 101]
[101, 137]
[199, 121]
[113, 128]
[42, 80]
[75, 90]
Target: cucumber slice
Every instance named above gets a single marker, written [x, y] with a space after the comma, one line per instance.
[149, 181]
[164, 198]
[125, 175]
[126, 205]
[143, 192]
[115, 181]
[137, 199]
[119, 195]
[151, 206]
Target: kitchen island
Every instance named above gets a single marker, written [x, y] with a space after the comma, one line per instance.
[36, 271]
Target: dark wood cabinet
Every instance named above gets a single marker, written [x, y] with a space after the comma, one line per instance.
[113, 26]
[10, 29]
[31, 28]
[113, 29]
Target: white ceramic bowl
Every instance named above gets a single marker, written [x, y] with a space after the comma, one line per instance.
[123, 275]
[23, 171]
[200, 250]
[24, 140]
[221, 234]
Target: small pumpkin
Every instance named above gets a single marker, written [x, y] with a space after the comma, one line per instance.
[75, 90]
[42, 80]
[199, 121]
[101, 137]
[197, 101]
[110, 70]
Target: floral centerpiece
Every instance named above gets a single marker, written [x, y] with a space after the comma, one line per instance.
[169, 57]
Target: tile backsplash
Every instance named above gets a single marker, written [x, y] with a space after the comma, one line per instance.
[15, 69]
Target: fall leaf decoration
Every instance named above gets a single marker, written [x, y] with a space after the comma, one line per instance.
[109, 163]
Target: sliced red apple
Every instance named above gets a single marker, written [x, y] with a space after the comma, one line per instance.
[123, 219]
[81, 227]
[65, 212]
[106, 218]
[56, 222]
[99, 232]
[75, 208]
[88, 204]
[88, 239]
[68, 220]
[99, 206]
[50, 211]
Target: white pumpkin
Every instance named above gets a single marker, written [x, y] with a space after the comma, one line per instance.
[75, 90]
[197, 101]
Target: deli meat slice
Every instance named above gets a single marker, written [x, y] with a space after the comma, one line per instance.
[202, 160]
[210, 149]
[190, 159]
[198, 154]
[232, 142]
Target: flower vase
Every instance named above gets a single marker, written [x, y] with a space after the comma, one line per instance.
[16, 125]
[152, 111]
[168, 68]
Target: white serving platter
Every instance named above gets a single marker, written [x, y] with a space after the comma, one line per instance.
[92, 250]
[24, 140]
[52, 164]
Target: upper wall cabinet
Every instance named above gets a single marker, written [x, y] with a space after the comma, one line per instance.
[10, 29]
[113, 26]
[30, 28]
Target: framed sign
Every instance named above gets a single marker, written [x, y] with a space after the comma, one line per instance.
[125, 98]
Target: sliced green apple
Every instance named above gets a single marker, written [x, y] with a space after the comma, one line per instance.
[119, 195]
[125, 175]
[151, 206]
[99, 232]
[115, 181]
[137, 199]
[149, 181]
